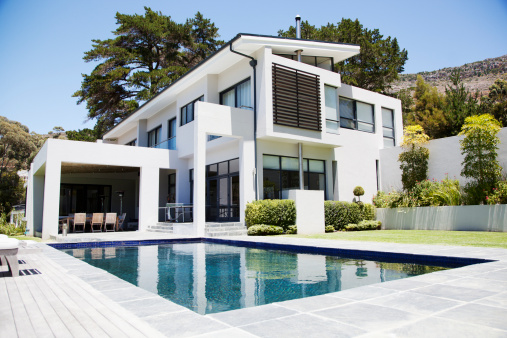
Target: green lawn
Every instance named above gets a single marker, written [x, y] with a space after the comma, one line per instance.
[462, 238]
[25, 238]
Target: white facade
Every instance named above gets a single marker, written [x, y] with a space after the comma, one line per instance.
[334, 161]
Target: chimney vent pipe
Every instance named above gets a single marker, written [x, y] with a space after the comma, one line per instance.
[298, 36]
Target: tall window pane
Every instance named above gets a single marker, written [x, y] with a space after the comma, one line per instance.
[228, 98]
[271, 162]
[346, 108]
[243, 91]
[388, 127]
[332, 115]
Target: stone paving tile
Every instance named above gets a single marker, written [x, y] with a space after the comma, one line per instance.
[499, 300]
[123, 295]
[149, 306]
[402, 284]
[184, 324]
[302, 325]
[362, 293]
[479, 283]
[314, 303]
[438, 327]
[454, 292]
[434, 278]
[113, 284]
[500, 275]
[479, 314]
[232, 332]
[252, 314]
[368, 316]
[415, 303]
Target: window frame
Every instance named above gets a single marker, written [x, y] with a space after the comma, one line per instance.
[158, 134]
[192, 103]
[355, 120]
[235, 87]
[393, 127]
[332, 131]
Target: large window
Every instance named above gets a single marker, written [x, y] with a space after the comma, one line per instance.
[281, 174]
[155, 137]
[187, 111]
[388, 127]
[238, 96]
[84, 198]
[332, 114]
[356, 115]
[317, 61]
[171, 134]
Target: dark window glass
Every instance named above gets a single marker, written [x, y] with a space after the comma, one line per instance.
[212, 170]
[356, 115]
[271, 184]
[171, 190]
[155, 137]
[238, 96]
[187, 111]
[223, 168]
[388, 127]
[234, 166]
[132, 143]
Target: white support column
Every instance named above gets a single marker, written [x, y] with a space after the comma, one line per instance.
[199, 181]
[38, 203]
[148, 197]
[142, 133]
[51, 206]
[29, 203]
[246, 175]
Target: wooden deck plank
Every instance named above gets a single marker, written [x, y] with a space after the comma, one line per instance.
[105, 312]
[6, 316]
[82, 324]
[23, 326]
[35, 315]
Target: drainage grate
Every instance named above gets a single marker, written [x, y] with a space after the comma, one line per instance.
[20, 261]
[28, 272]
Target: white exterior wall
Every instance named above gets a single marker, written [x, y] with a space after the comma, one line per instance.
[445, 160]
[354, 151]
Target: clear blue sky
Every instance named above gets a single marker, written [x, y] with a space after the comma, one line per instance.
[42, 42]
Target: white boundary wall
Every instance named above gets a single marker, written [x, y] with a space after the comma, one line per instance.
[445, 159]
[309, 211]
[457, 218]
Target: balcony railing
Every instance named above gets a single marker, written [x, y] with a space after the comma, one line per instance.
[167, 144]
[176, 213]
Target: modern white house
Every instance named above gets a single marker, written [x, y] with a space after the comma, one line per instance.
[260, 116]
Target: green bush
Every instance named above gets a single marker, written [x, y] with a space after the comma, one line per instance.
[339, 214]
[358, 191]
[274, 212]
[10, 229]
[329, 228]
[292, 230]
[499, 194]
[364, 225]
[264, 230]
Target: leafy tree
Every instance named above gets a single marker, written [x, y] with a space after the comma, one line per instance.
[407, 102]
[86, 135]
[496, 101]
[378, 63]
[428, 111]
[414, 159]
[459, 104]
[16, 147]
[149, 52]
[480, 165]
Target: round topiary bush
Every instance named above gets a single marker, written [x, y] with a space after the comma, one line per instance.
[329, 228]
[358, 191]
[264, 230]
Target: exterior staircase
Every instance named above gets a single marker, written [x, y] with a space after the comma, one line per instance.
[212, 229]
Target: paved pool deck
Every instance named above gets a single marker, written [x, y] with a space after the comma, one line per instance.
[72, 298]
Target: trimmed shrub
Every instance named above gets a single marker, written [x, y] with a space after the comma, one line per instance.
[329, 228]
[339, 214]
[264, 230]
[358, 191]
[364, 225]
[292, 230]
[281, 213]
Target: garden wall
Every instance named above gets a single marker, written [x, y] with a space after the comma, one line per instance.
[458, 218]
[445, 159]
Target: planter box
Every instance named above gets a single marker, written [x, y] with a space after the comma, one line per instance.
[457, 218]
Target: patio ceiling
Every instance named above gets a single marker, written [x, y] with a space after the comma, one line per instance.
[79, 168]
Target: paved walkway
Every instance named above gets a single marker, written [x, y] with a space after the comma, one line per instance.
[72, 298]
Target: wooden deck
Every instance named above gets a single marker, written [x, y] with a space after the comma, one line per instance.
[57, 304]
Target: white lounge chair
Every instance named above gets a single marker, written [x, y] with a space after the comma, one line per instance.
[9, 254]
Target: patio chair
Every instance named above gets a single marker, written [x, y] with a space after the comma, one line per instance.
[79, 220]
[111, 221]
[121, 220]
[97, 220]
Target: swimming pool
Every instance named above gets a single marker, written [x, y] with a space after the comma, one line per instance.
[210, 277]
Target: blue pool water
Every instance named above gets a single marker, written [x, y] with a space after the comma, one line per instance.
[209, 277]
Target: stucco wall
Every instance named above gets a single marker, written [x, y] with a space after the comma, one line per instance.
[445, 160]
[457, 218]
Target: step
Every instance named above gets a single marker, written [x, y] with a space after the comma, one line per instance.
[216, 229]
[227, 233]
